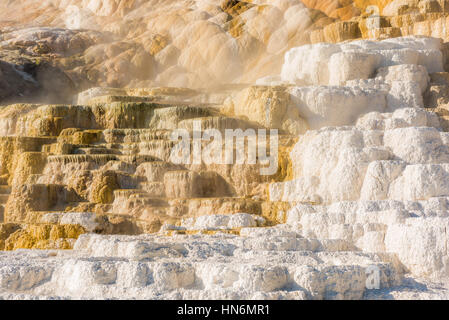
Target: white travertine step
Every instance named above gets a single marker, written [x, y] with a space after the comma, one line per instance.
[192, 267]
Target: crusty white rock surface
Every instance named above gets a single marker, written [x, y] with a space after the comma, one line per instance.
[370, 188]
[339, 163]
[262, 263]
[384, 188]
[333, 64]
[265, 263]
[382, 181]
[339, 82]
[222, 222]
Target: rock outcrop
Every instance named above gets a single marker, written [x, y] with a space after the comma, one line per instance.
[78, 44]
[111, 155]
[360, 185]
[75, 45]
[215, 150]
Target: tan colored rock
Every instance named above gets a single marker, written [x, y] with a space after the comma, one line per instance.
[337, 32]
[270, 107]
[399, 6]
[11, 149]
[188, 184]
[103, 186]
[29, 163]
[103, 44]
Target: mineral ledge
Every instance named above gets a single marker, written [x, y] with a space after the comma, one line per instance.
[93, 208]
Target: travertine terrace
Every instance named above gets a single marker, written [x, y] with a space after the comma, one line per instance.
[94, 207]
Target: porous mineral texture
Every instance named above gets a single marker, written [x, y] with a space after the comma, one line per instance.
[95, 205]
[361, 184]
[107, 159]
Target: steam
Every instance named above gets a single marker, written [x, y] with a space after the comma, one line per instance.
[195, 44]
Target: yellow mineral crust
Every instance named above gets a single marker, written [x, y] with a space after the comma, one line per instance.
[104, 163]
[43, 237]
